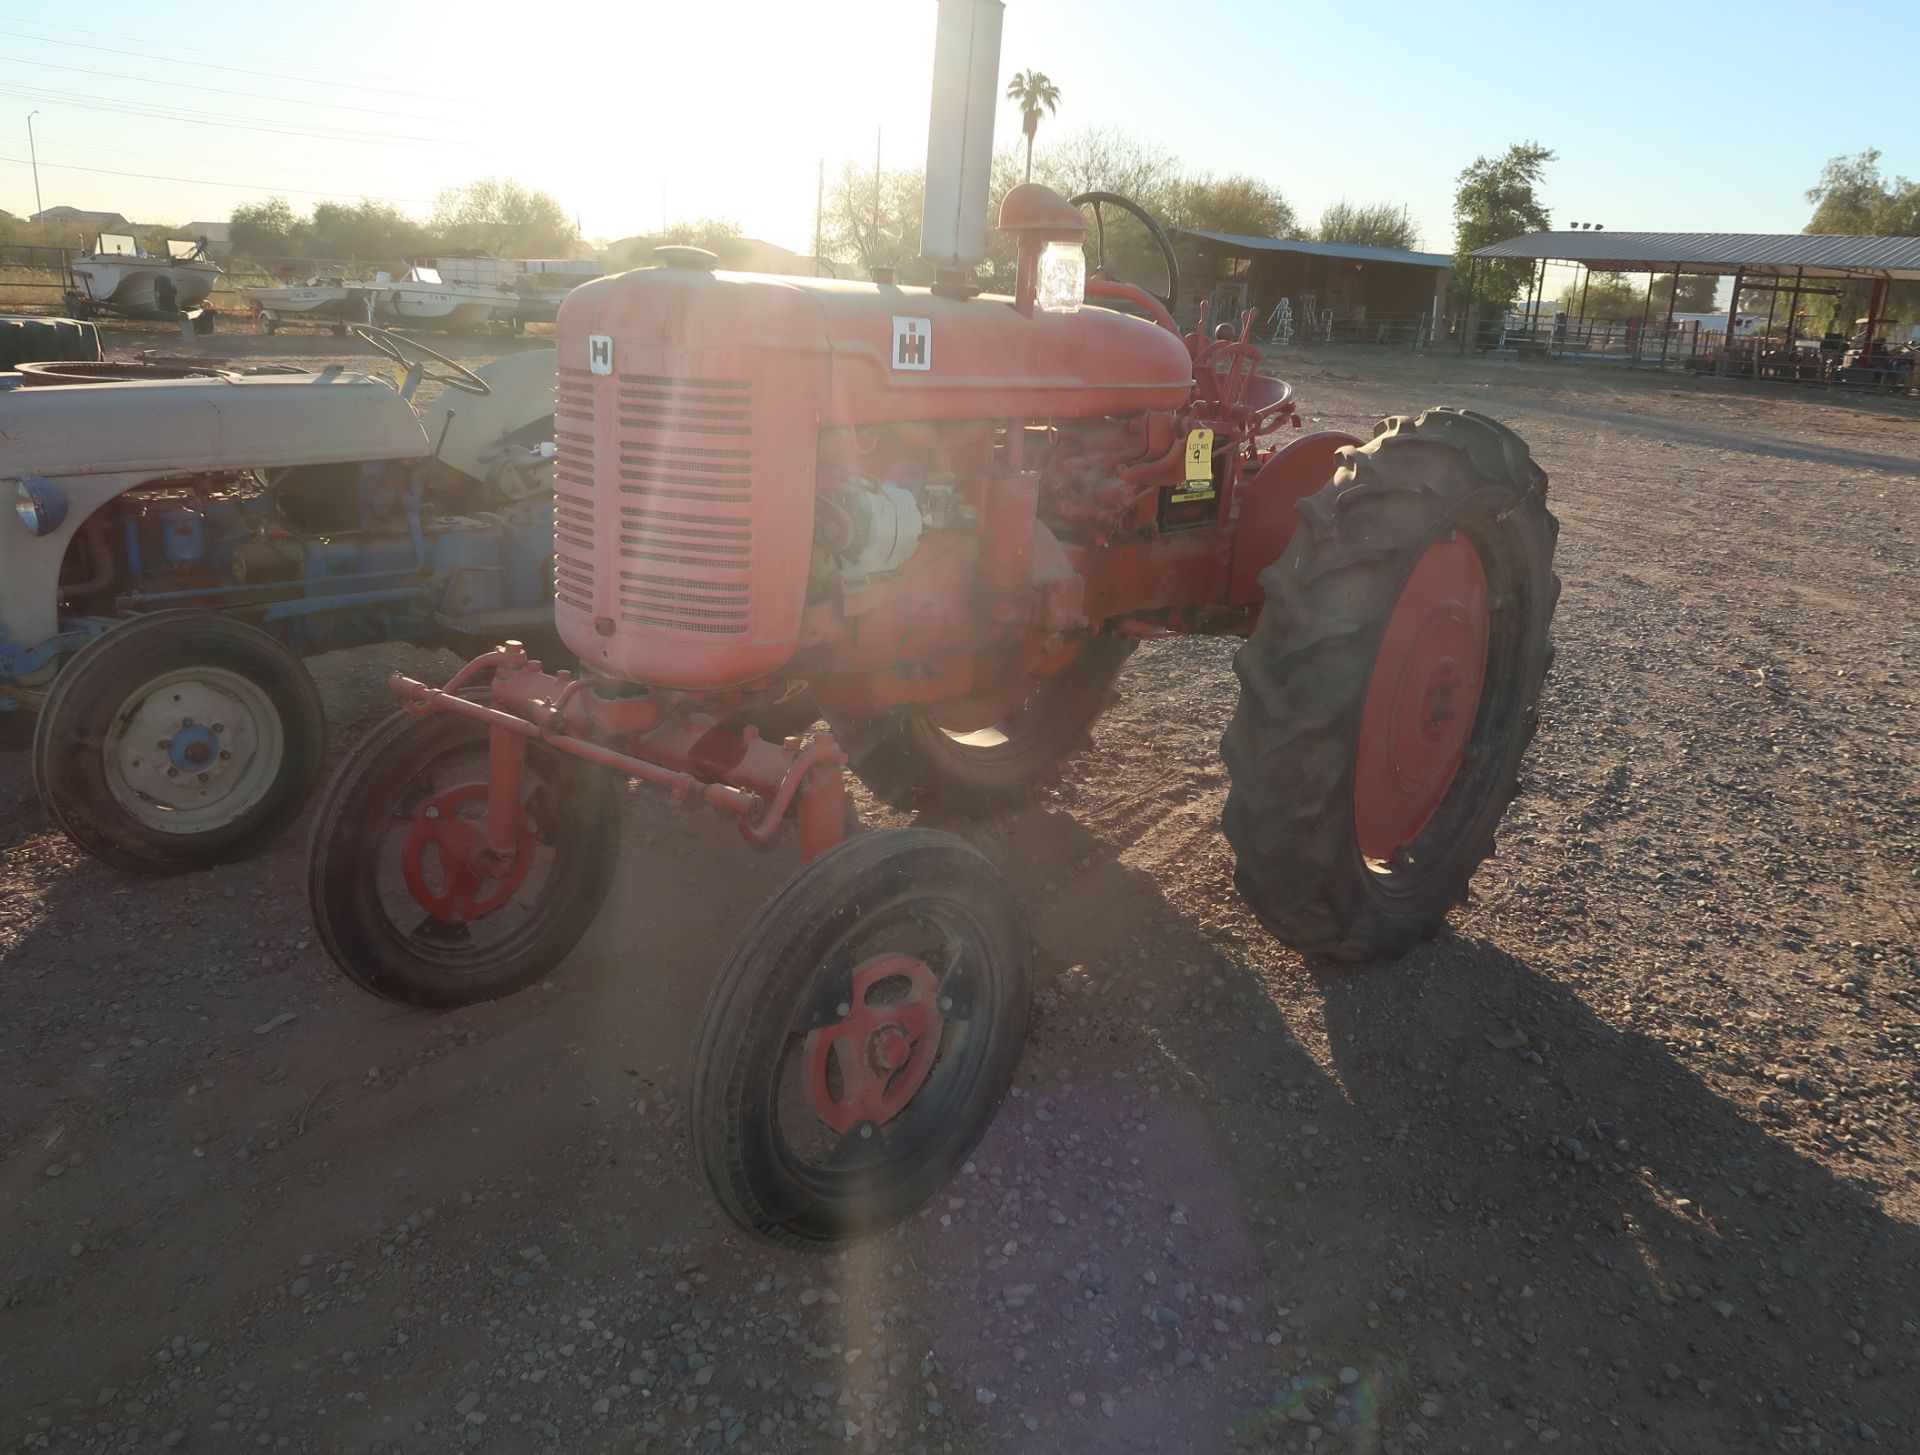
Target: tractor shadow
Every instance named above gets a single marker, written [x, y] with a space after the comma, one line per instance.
[1717, 1279]
[1225, 1178]
[1330, 1170]
[238, 1103]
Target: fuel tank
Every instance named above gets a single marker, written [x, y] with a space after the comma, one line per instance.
[687, 419]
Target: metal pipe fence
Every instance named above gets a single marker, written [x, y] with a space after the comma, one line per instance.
[36, 277]
[1307, 327]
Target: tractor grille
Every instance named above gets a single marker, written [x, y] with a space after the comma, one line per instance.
[685, 517]
[573, 491]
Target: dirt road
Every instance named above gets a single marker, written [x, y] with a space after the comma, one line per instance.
[1629, 1161]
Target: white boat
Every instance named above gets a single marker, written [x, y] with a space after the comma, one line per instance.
[538, 285]
[422, 299]
[332, 301]
[119, 276]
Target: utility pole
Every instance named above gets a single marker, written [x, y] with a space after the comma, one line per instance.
[819, 212]
[876, 197]
[33, 153]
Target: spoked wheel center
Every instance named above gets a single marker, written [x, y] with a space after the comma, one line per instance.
[449, 866]
[865, 1067]
[1422, 700]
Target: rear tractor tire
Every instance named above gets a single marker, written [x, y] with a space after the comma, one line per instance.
[1391, 686]
[403, 903]
[177, 741]
[32, 340]
[909, 761]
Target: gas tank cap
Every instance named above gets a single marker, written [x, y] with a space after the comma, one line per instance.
[679, 255]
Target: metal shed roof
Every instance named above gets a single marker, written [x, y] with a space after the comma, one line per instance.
[1757, 254]
[1352, 252]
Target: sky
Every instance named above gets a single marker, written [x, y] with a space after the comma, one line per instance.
[1664, 118]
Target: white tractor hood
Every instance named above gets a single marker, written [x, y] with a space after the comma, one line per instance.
[155, 428]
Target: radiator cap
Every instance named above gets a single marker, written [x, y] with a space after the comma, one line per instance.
[679, 255]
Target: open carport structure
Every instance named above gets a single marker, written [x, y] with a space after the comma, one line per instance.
[1345, 292]
[1795, 263]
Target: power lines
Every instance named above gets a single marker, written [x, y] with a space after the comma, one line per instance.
[176, 159]
[326, 93]
[195, 117]
[253, 70]
[209, 182]
[223, 91]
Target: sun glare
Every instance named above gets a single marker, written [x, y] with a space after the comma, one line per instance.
[679, 114]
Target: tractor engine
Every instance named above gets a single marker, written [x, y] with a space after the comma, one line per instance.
[323, 556]
[750, 468]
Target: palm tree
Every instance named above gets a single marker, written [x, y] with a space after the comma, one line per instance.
[1034, 92]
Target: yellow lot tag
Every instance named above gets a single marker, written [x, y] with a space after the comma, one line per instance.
[1200, 455]
[1199, 483]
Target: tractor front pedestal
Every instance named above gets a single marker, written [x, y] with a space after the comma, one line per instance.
[862, 1030]
[683, 751]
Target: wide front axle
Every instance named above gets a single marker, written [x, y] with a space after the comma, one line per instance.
[671, 746]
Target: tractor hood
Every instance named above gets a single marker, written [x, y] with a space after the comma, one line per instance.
[894, 354]
[173, 426]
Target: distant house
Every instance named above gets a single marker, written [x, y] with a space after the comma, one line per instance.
[80, 217]
[766, 257]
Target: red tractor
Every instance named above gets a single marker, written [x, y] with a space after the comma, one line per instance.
[946, 520]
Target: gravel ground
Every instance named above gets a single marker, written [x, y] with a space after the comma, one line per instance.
[1628, 1161]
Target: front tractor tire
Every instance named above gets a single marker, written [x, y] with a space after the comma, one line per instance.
[1391, 686]
[178, 741]
[860, 1037]
[908, 760]
[404, 905]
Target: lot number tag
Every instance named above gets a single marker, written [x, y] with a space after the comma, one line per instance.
[1199, 484]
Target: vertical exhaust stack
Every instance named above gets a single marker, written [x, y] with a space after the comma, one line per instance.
[966, 87]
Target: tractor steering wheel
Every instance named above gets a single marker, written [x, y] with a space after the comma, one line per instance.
[1154, 230]
[411, 353]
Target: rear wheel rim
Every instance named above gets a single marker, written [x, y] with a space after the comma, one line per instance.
[1024, 722]
[1423, 701]
[1007, 733]
[194, 750]
[984, 738]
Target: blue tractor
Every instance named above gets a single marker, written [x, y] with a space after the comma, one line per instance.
[177, 545]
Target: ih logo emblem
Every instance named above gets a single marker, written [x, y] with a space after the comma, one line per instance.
[912, 343]
[600, 353]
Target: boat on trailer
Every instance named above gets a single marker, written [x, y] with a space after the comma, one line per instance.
[537, 285]
[332, 301]
[119, 276]
[423, 299]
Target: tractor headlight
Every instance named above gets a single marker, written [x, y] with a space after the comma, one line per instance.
[1062, 282]
[40, 504]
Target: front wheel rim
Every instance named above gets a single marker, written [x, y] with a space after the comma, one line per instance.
[937, 954]
[424, 894]
[194, 750]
